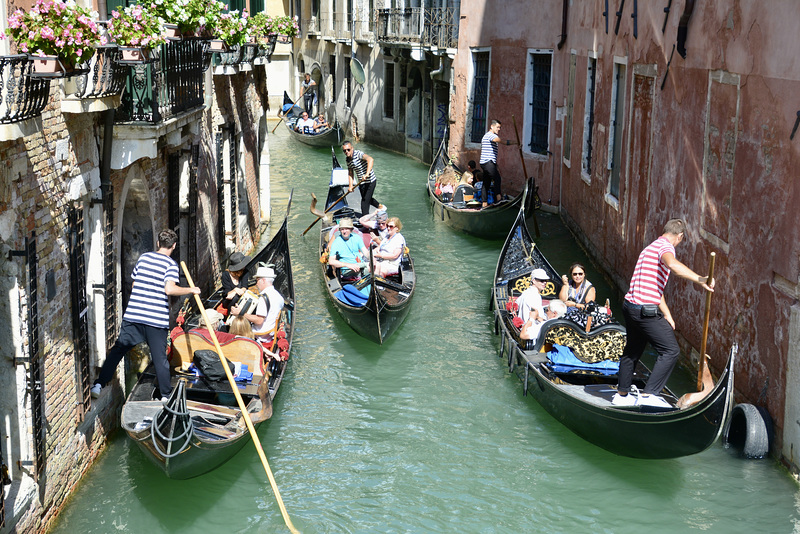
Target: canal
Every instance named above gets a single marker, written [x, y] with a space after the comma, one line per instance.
[428, 433]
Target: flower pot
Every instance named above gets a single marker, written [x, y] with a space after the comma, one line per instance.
[217, 45]
[173, 32]
[133, 54]
[47, 65]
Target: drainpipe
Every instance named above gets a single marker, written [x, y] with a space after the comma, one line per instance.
[564, 25]
[439, 70]
[108, 137]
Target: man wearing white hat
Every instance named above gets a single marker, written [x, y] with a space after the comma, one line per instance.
[268, 309]
[530, 302]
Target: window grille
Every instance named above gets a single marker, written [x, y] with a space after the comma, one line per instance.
[540, 102]
[480, 95]
[109, 267]
[80, 324]
[589, 119]
[220, 194]
[36, 368]
[388, 92]
[192, 231]
[174, 200]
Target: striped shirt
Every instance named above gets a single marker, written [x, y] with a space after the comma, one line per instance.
[488, 149]
[149, 303]
[650, 275]
[358, 165]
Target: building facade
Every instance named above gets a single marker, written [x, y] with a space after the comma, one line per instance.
[632, 114]
[94, 166]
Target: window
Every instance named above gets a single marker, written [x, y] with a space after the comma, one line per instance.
[480, 95]
[388, 91]
[348, 81]
[539, 101]
[588, 117]
[332, 68]
[616, 127]
[573, 62]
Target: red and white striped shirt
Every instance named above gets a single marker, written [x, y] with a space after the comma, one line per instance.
[650, 275]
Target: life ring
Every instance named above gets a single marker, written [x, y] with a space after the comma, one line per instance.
[750, 429]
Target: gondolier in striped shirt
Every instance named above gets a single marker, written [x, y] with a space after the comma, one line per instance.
[146, 318]
[488, 162]
[648, 318]
[361, 170]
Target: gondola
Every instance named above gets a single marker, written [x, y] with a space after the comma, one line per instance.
[374, 307]
[581, 398]
[492, 222]
[200, 427]
[333, 136]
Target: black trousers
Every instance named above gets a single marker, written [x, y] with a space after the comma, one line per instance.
[308, 100]
[367, 190]
[491, 177]
[130, 335]
[659, 333]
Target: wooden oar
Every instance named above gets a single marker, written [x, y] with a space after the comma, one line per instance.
[704, 339]
[242, 407]
[310, 226]
[522, 158]
[280, 117]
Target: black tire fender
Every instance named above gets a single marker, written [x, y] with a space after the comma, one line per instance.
[750, 430]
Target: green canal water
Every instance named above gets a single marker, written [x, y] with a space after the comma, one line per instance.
[428, 433]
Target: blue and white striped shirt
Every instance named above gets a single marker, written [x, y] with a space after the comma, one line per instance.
[488, 149]
[149, 303]
[358, 165]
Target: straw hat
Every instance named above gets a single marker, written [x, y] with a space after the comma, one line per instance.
[213, 315]
[346, 223]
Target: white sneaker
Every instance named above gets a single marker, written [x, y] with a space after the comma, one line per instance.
[95, 390]
[631, 399]
[656, 401]
[164, 399]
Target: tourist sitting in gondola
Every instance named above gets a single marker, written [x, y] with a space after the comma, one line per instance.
[347, 252]
[241, 327]
[577, 291]
[531, 329]
[265, 317]
[304, 124]
[390, 252]
[235, 281]
[320, 124]
[464, 192]
[530, 301]
[376, 223]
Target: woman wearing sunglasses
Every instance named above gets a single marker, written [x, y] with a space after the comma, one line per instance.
[577, 290]
[388, 255]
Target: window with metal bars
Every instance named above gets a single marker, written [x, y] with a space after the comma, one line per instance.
[36, 368]
[480, 95]
[332, 68]
[348, 80]
[109, 267]
[174, 201]
[221, 225]
[191, 257]
[573, 62]
[388, 90]
[539, 101]
[588, 119]
[233, 180]
[80, 324]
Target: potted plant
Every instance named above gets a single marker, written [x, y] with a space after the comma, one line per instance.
[232, 28]
[177, 16]
[286, 25]
[206, 14]
[136, 31]
[56, 34]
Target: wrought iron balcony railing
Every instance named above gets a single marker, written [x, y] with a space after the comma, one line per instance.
[106, 77]
[171, 84]
[21, 96]
[342, 22]
[435, 27]
[400, 25]
[265, 51]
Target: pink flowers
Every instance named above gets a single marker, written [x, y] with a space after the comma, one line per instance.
[136, 27]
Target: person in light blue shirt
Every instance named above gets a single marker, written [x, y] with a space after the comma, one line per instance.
[146, 318]
[347, 251]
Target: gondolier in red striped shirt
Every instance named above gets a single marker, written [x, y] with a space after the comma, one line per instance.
[648, 318]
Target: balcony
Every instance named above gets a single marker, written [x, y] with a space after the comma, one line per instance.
[21, 96]
[435, 27]
[163, 98]
[100, 88]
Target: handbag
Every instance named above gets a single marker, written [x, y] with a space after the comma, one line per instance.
[210, 365]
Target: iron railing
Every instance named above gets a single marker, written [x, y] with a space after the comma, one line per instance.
[400, 25]
[80, 309]
[166, 86]
[21, 96]
[429, 27]
[249, 52]
[265, 51]
[106, 77]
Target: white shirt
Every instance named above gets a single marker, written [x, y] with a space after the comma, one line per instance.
[266, 330]
[302, 124]
[530, 300]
